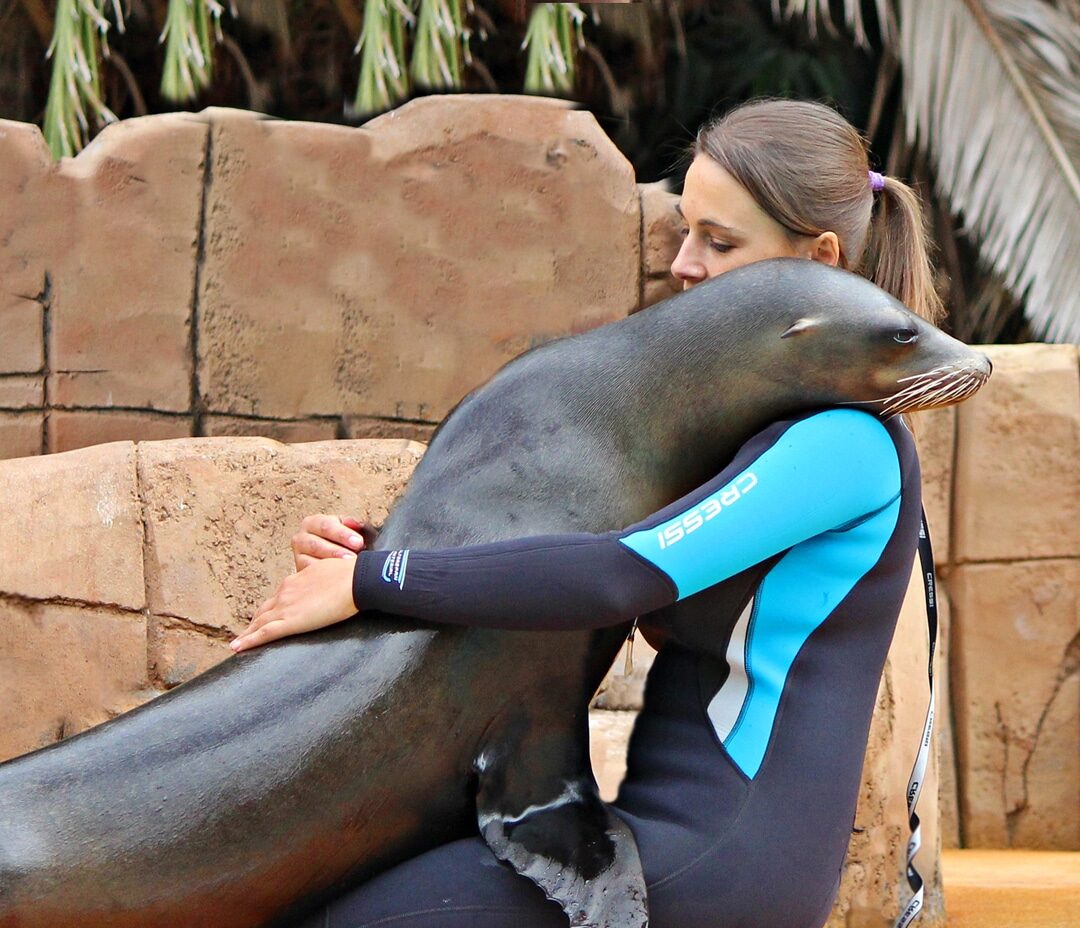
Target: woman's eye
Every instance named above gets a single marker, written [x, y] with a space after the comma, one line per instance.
[721, 247]
[683, 230]
[906, 336]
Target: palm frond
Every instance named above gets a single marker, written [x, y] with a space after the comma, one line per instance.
[815, 11]
[550, 39]
[437, 52]
[384, 81]
[992, 93]
[79, 39]
[189, 52]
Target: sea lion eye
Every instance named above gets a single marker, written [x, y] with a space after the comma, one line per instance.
[906, 336]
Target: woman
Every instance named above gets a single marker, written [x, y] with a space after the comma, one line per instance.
[745, 762]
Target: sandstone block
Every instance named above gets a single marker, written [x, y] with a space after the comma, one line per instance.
[64, 669]
[177, 652]
[21, 322]
[23, 155]
[660, 241]
[369, 427]
[657, 289]
[412, 256]
[935, 437]
[660, 226]
[220, 513]
[621, 690]
[278, 429]
[944, 734]
[1015, 663]
[69, 429]
[609, 736]
[73, 527]
[1018, 442]
[22, 392]
[873, 889]
[116, 229]
[20, 433]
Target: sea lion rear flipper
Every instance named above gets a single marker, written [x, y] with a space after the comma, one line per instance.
[552, 827]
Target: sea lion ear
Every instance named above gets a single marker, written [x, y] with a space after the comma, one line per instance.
[799, 326]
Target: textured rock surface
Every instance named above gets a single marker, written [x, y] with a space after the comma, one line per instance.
[220, 514]
[20, 433]
[1017, 479]
[944, 727]
[299, 430]
[72, 527]
[66, 668]
[872, 889]
[935, 437]
[68, 429]
[206, 521]
[300, 280]
[660, 238]
[421, 252]
[107, 241]
[609, 734]
[368, 427]
[1015, 666]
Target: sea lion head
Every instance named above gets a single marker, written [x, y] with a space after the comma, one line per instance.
[842, 340]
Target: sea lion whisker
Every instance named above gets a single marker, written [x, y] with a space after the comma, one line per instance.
[935, 370]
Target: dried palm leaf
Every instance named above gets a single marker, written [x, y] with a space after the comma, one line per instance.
[992, 93]
[814, 10]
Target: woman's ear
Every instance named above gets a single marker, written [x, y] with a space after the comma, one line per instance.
[825, 248]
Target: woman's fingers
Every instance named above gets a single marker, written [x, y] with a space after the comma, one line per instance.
[335, 529]
[323, 536]
[318, 547]
[310, 599]
[271, 631]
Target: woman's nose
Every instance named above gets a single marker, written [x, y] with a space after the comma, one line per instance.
[686, 267]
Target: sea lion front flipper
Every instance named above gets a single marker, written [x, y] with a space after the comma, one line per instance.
[552, 827]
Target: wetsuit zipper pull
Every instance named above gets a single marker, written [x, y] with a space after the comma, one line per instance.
[628, 664]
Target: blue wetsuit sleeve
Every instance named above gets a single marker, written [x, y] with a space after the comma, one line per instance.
[796, 479]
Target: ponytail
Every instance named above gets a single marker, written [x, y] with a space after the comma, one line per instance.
[806, 167]
[897, 256]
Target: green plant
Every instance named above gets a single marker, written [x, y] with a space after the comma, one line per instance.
[383, 80]
[550, 39]
[79, 33]
[189, 52]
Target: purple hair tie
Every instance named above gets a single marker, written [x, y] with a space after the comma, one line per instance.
[877, 181]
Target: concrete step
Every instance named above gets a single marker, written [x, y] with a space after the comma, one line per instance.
[1012, 889]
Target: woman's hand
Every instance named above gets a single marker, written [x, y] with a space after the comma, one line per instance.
[317, 596]
[322, 536]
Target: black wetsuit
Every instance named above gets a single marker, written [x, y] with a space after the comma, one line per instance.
[744, 766]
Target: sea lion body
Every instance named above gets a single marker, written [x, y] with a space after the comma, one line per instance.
[266, 784]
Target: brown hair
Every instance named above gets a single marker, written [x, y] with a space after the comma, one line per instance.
[807, 167]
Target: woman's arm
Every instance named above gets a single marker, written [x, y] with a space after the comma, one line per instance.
[791, 482]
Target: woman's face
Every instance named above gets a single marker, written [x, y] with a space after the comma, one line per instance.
[724, 228]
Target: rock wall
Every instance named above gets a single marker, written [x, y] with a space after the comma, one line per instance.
[126, 567]
[1015, 589]
[220, 273]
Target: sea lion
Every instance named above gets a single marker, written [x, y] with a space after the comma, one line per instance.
[261, 787]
